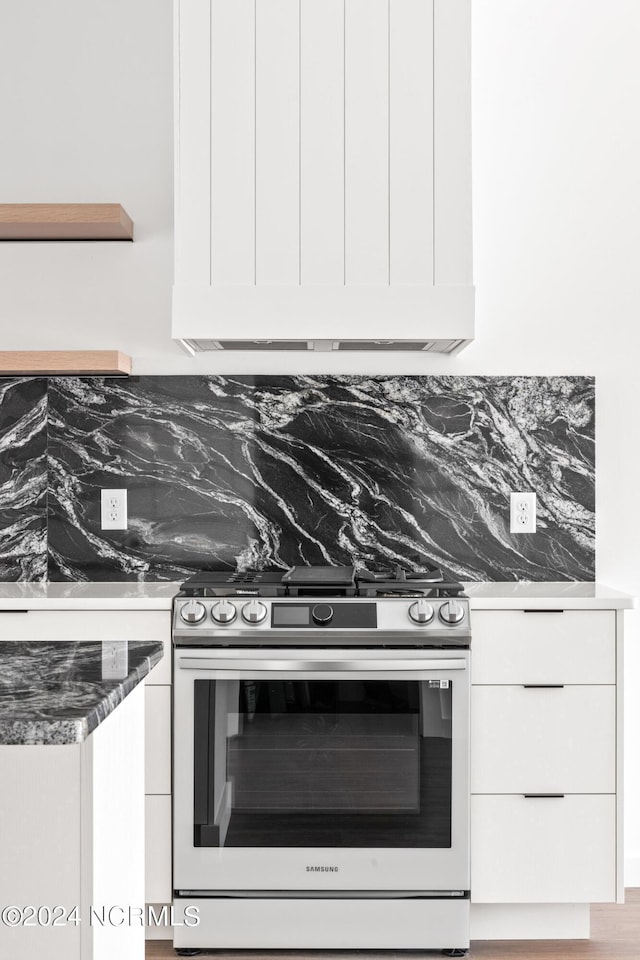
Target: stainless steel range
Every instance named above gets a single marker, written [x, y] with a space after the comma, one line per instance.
[321, 760]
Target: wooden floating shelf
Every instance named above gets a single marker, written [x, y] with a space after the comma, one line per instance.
[64, 221]
[53, 363]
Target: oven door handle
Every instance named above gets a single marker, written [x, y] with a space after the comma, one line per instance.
[318, 666]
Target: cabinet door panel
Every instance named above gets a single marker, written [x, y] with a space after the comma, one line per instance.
[543, 740]
[367, 141]
[543, 850]
[193, 113]
[452, 141]
[157, 740]
[322, 141]
[158, 850]
[233, 145]
[574, 646]
[411, 141]
[277, 142]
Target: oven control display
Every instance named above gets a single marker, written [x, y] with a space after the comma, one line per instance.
[326, 616]
[284, 616]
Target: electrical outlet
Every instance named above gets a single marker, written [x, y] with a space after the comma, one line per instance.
[523, 513]
[113, 509]
[115, 659]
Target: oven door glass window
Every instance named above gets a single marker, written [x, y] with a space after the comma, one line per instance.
[322, 763]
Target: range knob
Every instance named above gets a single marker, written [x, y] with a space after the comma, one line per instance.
[421, 612]
[451, 612]
[223, 612]
[193, 611]
[322, 613]
[254, 611]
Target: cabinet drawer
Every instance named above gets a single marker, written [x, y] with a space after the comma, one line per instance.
[158, 850]
[543, 741]
[94, 625]
[85, 625]
[512, 646]
[157, 740]
[543, 850]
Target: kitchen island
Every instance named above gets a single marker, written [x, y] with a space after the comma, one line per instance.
[72, 799]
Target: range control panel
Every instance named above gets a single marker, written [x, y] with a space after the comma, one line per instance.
[321, 621]
[225, 615]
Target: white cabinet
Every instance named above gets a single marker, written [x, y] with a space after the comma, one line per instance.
[546, 774]
[563, 646]
[323, 171]
[543, 849]
[543, 740]
[71, 833]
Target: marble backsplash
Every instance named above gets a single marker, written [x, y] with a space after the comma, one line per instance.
[23, 479]
[270, 471]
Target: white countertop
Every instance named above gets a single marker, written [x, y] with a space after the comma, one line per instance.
[516, 595]
[505, 595]
[85, 595]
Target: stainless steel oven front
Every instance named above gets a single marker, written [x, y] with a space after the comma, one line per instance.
[337, 774]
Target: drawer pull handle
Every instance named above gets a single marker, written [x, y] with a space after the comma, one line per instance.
[544, 610]
[14, 611]
[543, 796]
[543, 686]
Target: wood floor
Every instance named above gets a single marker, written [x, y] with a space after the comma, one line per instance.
[615, 935]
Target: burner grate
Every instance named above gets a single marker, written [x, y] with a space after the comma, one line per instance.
[400, 574]
[323, 581]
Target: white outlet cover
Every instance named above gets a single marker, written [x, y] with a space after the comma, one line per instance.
[523, 513]
[115, 659]
[113, 509]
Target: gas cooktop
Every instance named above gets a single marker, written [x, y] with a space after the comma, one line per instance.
[322, 581]
[323, 605]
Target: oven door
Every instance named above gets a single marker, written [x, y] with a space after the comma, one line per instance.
[321, 769]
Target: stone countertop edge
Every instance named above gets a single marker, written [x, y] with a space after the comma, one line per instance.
[121, 595]
[60, 730]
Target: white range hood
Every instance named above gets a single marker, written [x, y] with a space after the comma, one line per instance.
[323, 175]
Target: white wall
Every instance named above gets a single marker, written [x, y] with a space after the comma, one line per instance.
[86, 104]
